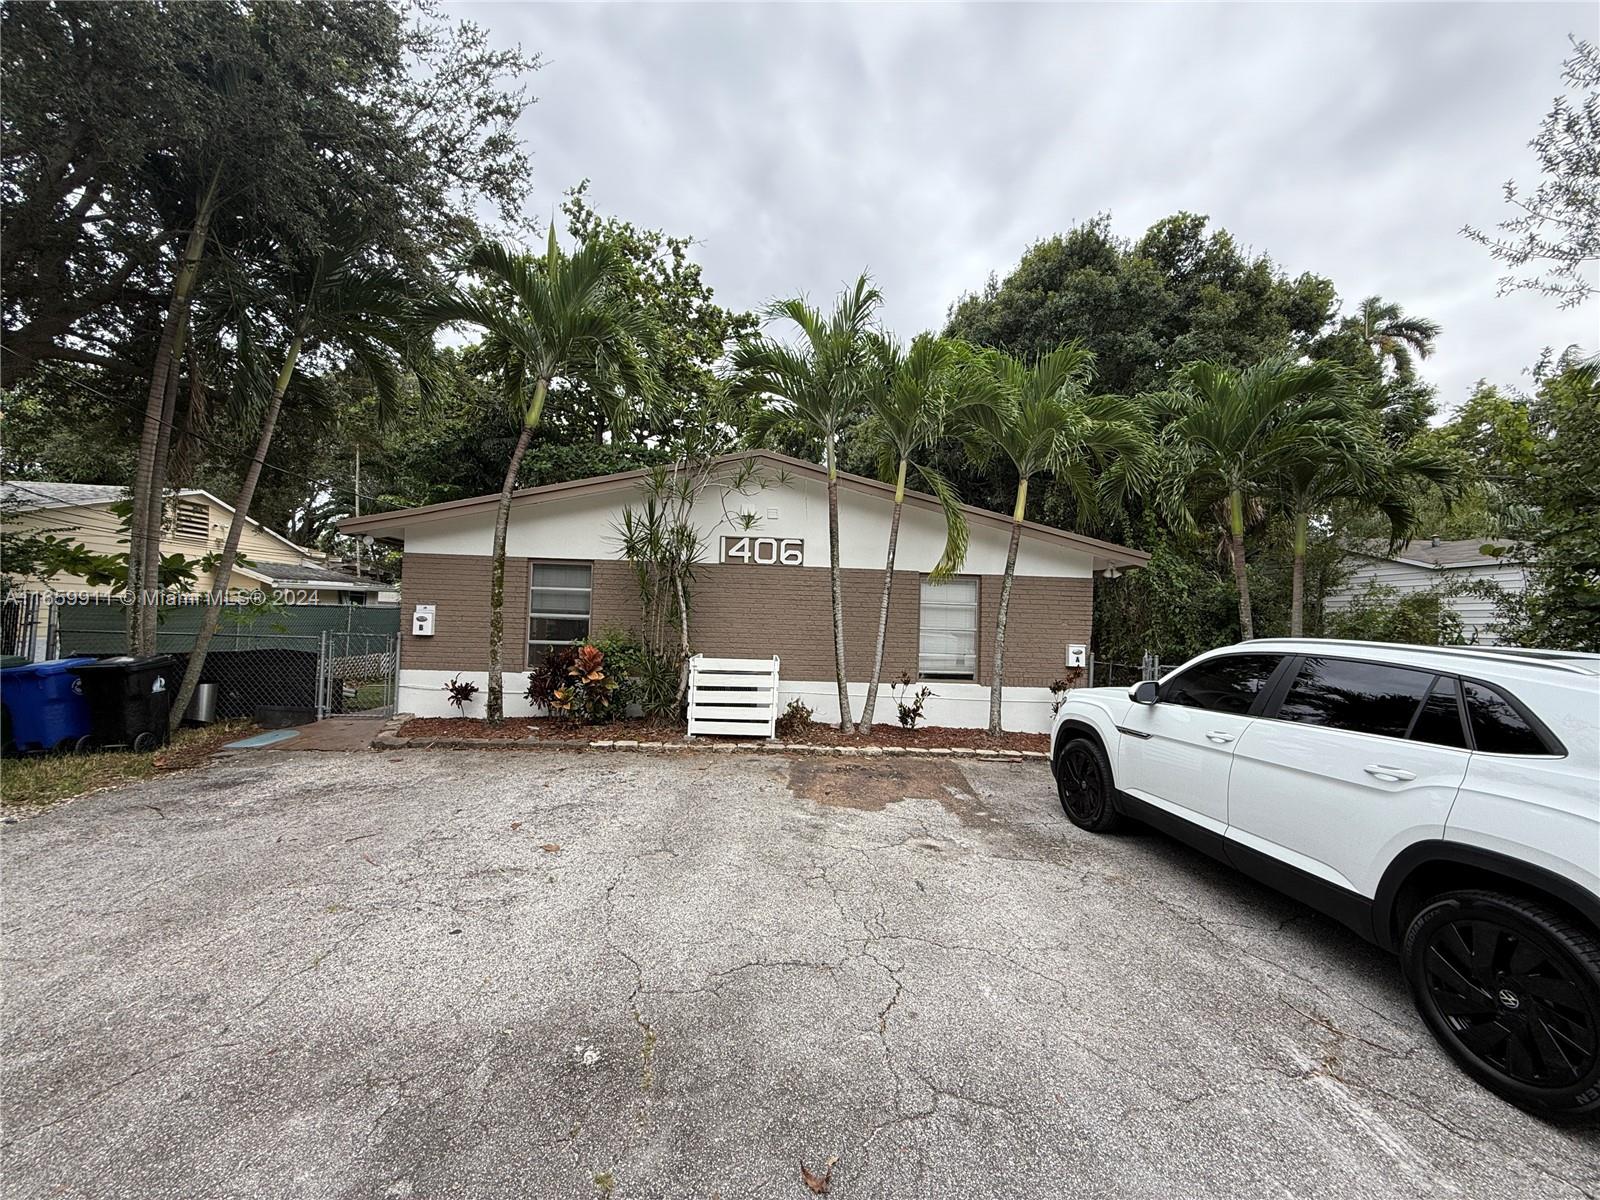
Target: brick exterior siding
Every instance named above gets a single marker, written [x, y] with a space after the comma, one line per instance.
[748, 611]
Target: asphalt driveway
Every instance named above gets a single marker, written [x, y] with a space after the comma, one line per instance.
[586, 974]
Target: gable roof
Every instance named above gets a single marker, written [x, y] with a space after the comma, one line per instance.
[60, 495]
[289, 573]
[1466, 552]
[34, 496]
[376, 523]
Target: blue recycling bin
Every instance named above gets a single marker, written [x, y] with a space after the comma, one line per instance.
[44, 706]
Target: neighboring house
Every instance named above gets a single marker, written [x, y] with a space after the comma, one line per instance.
[760, 592]
[1423, 565]
[196, 525]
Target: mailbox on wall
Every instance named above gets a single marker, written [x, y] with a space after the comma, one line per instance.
[1077, 656]
[422, 621]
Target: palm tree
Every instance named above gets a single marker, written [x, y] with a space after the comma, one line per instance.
[341, 306]
[1393, 336]
[1362, 468]
[818, 385]
[1228, 432]
[1040, 418]
[557, 317]
[907, 405]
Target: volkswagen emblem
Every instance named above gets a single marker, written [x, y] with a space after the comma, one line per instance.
[1509, 999]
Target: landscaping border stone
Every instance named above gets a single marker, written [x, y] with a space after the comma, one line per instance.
[389, 738]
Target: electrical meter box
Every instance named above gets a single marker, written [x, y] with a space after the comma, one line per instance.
[422, 621]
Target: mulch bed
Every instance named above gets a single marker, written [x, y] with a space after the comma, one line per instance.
[545, 729]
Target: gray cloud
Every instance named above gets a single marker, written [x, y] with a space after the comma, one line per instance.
[800, 144]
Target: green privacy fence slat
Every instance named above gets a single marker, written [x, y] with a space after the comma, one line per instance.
[100, 628]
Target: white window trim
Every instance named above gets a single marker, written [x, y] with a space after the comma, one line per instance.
[975, 608]
[587, 615]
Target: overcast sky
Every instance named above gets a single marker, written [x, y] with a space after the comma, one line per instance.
[931, 145]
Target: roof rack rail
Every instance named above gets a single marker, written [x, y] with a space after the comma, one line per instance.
[1574, 662]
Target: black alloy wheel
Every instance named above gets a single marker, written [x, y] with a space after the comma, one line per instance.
[1083, 779]
[1512, 990]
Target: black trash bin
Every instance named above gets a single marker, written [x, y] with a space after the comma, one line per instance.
[128, 701]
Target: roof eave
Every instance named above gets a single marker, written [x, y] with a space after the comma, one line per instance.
[1106, 554]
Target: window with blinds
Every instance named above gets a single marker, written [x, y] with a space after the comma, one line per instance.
[948, 639]
[559, 596]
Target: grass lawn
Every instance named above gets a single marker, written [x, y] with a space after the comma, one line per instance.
[368, 697]
[41, 780]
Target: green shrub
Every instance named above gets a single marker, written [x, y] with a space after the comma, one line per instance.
[1381, 614]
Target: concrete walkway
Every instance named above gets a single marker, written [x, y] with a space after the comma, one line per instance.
[334, 733]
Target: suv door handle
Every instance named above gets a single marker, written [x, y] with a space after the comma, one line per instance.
[1220, 738]
[1389, 774]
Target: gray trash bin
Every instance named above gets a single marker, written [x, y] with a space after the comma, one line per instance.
[202, 708]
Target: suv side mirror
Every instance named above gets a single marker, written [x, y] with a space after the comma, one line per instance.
[1146, 691]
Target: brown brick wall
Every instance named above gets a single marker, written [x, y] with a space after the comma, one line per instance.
[741, 611]
[458, 588]
[1043, 618]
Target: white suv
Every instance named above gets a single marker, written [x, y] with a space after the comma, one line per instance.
[1442, 801]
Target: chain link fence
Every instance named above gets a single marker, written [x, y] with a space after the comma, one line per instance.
[1115, 674]
[278, 666]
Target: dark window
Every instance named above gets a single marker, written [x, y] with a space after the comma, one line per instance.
[1365, 697]
[1229, 684]
[1439, 721]
[1497, 727]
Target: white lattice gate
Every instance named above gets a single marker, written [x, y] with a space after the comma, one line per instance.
[733, 696]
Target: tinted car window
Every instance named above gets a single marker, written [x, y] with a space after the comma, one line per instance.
[1365, 697]
[1497, 727]
[1439, 721]
[1229, 684]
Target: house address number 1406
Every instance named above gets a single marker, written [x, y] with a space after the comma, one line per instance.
[764, 551]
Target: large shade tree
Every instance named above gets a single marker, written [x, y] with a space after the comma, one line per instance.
[547, 321]
[1040, 417]
[1551, 241]
[337, 309]
[147, 146]
[816, 384]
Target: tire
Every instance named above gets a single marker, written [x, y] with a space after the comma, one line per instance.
[1084, 785]
[144, 743]
[1511, 989]
[83, 745]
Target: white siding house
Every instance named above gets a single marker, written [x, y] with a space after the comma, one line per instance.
[1421, 566]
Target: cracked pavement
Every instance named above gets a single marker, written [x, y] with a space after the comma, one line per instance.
[452, 974]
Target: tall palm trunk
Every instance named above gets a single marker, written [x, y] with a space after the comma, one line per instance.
[144, 533]
[149, 568]
[230, 549]
[865, 725]
[1297, 585]
[838, 593]
[997, 676]
[1236, 552]
[494, 701]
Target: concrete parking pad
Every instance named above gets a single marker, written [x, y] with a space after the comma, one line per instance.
[586, 974]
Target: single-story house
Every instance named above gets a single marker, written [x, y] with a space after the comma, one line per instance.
[762, 589]
[1420, 566]
[196, 525]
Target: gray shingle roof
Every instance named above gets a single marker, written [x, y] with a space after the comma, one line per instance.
[59, 495]
[1467, 552]
[301, 573]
